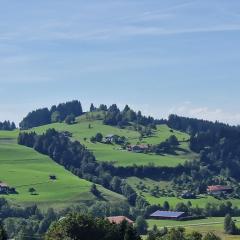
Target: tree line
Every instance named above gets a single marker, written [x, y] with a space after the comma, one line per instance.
[7, 126]
[62, 112]
[115, 117]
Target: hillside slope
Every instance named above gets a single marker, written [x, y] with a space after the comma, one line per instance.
[24, 168]
[84, 129]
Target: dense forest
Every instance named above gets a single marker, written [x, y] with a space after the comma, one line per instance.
[217, 143]
[59, 113]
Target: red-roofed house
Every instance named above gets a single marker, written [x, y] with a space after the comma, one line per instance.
[119, 219]
[218, 189]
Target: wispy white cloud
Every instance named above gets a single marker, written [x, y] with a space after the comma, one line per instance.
[169, 20]
[114, 33]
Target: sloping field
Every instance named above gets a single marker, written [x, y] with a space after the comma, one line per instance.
[112, 153]
[24, 168]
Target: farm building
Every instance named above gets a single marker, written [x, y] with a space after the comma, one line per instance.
[119, 219]
[218, 189]
[109, 138]
[138, 148]
[4, 188]
[188, 195]
[167, 215]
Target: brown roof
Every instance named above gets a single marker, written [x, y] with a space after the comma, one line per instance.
[216, 188]
[119, 219]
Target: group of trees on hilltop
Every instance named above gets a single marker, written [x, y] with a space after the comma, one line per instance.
[115, 117]
[217, 143]
[76, 158]
[62, 112]
[7, 125]
[69, 110]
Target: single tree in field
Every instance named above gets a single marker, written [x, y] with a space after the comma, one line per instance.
[173, 141]
[166, 206]
[70, 119]
[95, 191]
[141, 225]
[99, 137]
[32, 190]
[229, 225]
[92, 108]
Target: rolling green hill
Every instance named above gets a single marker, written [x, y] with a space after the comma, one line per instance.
[112, 153]
[24, 168]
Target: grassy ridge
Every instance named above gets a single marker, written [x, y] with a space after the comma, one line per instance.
[22, 167]
[112, 153]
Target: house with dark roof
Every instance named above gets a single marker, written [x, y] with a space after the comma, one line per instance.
[119, 219]
[4, 188]
[168, 215]
[138, 148]
[219, 189]
[109, 138]
[188, 195]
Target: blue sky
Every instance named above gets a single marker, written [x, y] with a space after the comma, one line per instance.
[161, 56]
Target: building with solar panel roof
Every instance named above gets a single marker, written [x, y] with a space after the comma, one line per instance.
[168, 215]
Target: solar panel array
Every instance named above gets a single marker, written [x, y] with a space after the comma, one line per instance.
[167, 214]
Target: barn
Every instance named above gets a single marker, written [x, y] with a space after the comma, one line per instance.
[167, 215]
[218, 189]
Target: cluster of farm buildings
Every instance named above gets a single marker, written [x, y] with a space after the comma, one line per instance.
[161, 215]
[172, 215]
[137, 148]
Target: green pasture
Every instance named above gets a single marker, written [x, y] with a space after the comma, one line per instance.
[113, 153]
[215, 225]
[24, 168]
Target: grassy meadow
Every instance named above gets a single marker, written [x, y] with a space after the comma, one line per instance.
[24, 168]
[112, 153]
